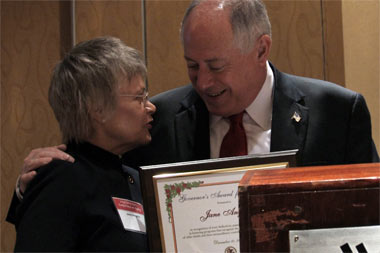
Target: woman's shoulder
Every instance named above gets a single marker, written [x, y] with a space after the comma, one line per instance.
[63, 168]
[61, 176]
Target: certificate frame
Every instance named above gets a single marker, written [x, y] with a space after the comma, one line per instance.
[148, 173]
[208, 220]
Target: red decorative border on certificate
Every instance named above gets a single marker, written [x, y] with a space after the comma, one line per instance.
[174, 190]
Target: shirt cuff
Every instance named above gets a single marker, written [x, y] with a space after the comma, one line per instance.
[19, 194]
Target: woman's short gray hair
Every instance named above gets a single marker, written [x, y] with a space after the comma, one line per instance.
[86, 80]
[249, 20]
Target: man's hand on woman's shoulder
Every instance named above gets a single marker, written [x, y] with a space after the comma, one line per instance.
[37, 158]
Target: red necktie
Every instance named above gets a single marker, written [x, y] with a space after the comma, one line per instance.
[234, 142]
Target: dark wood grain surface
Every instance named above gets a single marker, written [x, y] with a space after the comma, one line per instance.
[273, 202]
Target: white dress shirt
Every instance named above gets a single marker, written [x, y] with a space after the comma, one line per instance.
[257, 122]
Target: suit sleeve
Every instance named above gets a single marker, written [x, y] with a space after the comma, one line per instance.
[361, 148]
[48, 217]
[11, 215]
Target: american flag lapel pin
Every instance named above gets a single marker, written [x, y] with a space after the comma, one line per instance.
[296, 117]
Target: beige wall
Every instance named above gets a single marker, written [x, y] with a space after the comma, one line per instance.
[30, 44]
[361, 54]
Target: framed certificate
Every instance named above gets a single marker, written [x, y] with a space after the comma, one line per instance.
[178, 196]
[199, 211]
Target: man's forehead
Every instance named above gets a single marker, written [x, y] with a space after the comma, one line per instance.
[208, 60]
[207, 27]
[209, 11]
[203, 13]
[217, 5]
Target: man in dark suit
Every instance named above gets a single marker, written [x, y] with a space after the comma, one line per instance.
[226, 46]
[229, 73]
[333, 126]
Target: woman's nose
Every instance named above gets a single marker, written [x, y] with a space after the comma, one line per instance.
[150, 107]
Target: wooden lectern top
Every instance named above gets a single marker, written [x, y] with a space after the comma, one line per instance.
[272, 202]
[317, 177]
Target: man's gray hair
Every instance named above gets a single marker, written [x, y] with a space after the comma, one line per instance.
[86, 80]
[249, 20]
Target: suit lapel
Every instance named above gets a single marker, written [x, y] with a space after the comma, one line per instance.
[192, 129]
[289, 117]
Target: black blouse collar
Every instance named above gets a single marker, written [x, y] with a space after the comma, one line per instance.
[95, 154]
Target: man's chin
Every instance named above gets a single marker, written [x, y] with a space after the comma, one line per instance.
[218, 111]
[221, 111]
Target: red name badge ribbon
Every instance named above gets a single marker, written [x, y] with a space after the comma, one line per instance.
[131, 214]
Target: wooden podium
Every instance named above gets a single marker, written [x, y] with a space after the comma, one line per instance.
[273, 202]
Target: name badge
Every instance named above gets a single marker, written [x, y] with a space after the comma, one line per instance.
[131, 214]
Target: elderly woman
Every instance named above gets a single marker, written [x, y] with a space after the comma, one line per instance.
[99, 98]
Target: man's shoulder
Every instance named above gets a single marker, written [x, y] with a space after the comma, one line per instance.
[174, 95]
[175, 100]
[313, 87]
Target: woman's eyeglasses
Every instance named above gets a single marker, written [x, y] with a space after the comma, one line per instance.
[143, 97]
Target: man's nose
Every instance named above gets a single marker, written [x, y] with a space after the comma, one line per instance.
[204, 79]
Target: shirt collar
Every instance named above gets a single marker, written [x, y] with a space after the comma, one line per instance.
[260, 110]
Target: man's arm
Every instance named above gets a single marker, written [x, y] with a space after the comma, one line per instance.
[361, 147]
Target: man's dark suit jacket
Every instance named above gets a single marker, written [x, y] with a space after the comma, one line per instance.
[335, 125]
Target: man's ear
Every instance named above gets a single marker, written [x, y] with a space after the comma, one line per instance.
[263, 45]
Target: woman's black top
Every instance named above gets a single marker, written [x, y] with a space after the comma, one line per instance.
[69, 206]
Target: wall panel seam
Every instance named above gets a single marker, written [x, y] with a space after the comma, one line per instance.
[144, 42]
[323, 41]
[73, 23]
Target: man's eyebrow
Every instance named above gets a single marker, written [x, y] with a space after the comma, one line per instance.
[213, 60]
[188, 59]
[207, 61]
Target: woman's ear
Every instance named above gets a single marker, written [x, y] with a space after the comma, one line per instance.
[98, 116]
